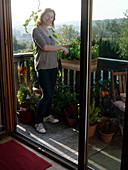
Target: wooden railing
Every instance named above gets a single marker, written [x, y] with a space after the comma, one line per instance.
[20, 61]
[69, 76]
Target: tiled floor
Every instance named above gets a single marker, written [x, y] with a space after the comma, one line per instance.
[60, 138]
[64, 140]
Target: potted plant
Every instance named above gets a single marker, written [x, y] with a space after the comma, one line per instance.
[94, 57]
[93, 119]
[23, 93]
[63, 98]
[26, 111]
[107, 129]
[71, 113]
[71, 61]
[105, 94]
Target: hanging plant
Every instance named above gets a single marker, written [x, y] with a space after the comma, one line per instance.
[33, 17]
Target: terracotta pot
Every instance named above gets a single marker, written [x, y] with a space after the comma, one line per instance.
[92, 130]
[71, 122]
[27, 117]
[106, 137]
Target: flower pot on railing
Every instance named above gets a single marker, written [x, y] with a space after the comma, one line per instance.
[94, 63]
[70, 64]
[75, 64]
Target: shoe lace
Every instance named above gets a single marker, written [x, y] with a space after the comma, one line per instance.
[51, 118]
[40, 126]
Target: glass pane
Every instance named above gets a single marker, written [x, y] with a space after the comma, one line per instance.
[61, 138]
[108, 83]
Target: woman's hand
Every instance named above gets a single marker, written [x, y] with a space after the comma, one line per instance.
[66, 51]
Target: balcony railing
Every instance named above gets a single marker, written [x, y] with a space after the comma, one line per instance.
[70, 77]
[21, 60]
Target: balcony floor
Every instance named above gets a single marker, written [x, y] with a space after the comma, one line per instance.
[64, 141]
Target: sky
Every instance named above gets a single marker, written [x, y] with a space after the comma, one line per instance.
[69, 10]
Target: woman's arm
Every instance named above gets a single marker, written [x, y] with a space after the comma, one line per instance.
[67, 46]
[41, 42]
[55, 48]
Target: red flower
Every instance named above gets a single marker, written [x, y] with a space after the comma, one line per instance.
[104, 93]
[71, 111]
[23, 71]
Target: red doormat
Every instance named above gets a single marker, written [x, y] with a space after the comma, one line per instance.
[14, 156]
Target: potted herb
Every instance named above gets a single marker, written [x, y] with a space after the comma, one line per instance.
[72, 60]
[95, 51]
[71, 113]
[23, 94]
[94, 57]
[63, 98]
[93, 119]
[26, 112]
[107, 129]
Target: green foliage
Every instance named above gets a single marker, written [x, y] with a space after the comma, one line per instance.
[67, 34]
[105, 93]
[21, 46]
[94, 114]
[108, 48]
[95, 51]
[108, 29]
[63, 97]
[33, 17]
[74, 52]
[71, 111]
[123, 40]
[22, 93]
[108, 126]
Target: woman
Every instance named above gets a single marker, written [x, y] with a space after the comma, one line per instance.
[46, 66]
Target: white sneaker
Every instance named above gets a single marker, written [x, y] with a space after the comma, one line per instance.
[40, 128]
[50, 119]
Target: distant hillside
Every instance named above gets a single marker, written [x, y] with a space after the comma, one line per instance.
[75, 23]
[18, 29]
[118, 20]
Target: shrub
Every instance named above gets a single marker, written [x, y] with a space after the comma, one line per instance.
[22, 93]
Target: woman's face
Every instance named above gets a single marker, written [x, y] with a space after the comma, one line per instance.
[48, 18]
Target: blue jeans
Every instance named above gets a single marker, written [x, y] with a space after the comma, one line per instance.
[47, 79]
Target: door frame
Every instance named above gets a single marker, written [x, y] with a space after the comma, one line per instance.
[8, 86]
[6, 62]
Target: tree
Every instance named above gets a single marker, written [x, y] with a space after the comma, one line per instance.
[15, 45]
[123, 40]
[108, 29]
[67, 34]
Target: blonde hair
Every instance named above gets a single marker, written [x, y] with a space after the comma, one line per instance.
[47, 10]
